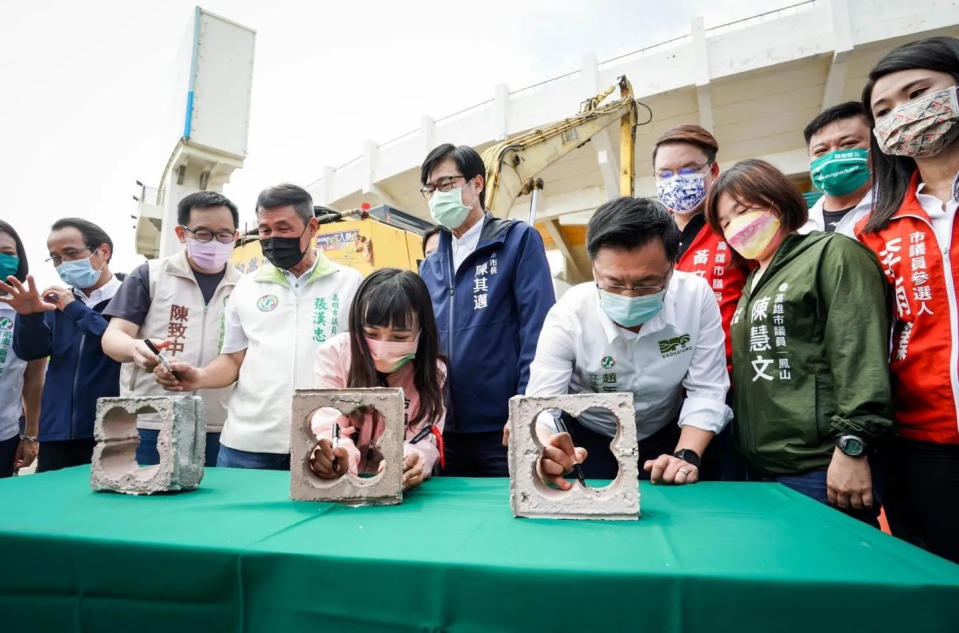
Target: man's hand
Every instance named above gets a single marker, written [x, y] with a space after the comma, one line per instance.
[849, 481]
[413, 474]
[58, 296]
[26, 452]
[506, 434]
[559, 456]
[671, 470]
[322, 460]
[143, 357]
[190, 377]
[24, 300]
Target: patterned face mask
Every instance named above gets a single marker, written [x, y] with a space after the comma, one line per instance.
[682, 192]
[922, 127]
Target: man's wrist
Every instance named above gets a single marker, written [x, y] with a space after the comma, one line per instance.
[852, 446]
[689, 456]
[28, 437]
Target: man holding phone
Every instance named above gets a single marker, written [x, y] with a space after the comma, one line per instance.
[174, 307]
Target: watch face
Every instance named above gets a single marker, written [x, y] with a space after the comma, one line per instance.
[852, 446]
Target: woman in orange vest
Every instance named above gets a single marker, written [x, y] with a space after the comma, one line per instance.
[911, 99]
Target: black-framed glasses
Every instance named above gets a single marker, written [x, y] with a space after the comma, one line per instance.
[69, 255]
[202, 235]
[666, 174]
[444, 184]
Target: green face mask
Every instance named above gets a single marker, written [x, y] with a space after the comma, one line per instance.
[8, 266]
[840, 172]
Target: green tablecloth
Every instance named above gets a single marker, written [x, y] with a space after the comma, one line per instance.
[237, 555]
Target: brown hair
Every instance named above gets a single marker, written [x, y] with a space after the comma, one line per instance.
[691, 134]
[755, 182]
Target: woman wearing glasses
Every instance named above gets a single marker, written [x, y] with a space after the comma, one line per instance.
[177, 303]
[810, 339]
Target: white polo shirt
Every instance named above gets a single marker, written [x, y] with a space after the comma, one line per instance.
[675, 365]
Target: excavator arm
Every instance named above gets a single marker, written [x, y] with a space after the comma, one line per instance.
[512, 165]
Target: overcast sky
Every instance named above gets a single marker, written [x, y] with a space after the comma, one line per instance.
[90, 90]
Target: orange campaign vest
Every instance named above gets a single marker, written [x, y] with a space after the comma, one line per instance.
[923, 359]
[711, 258]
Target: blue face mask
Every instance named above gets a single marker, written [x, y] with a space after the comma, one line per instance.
[447, 208]
[9, 264]
[682, 193]
[631, 311]
[79, 274]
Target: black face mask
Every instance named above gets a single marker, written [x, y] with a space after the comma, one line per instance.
[283, 252]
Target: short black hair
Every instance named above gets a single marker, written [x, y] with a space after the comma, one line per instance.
[93, 236]
[832, 114]
[204, 200]
[24, 268]
[467, 160]
[630, 223]
[284, 195]
[430, 232]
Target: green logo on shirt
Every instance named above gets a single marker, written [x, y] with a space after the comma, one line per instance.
[267, 303]
[674, 346]
[6, 324]
[607, 362]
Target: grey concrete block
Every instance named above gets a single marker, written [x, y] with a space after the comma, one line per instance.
[181, 444]
[386, 488]
[530, 497]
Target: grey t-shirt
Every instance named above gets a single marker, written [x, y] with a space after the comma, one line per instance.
[132, 301]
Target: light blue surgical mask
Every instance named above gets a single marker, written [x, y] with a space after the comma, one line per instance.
[79, 274]
[631, 311]
[447, 208]
[9, 265]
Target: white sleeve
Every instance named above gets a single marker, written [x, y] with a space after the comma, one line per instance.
[553, 364]
[234, 338]
[707, 380]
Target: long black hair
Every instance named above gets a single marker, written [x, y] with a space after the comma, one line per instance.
[891, 174]
[23, 268]
[391, 297]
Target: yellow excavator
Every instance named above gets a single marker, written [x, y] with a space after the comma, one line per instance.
[372, 238]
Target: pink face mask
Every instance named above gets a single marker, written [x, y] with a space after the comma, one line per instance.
[210, 255]
[390, 356]
[750, 233]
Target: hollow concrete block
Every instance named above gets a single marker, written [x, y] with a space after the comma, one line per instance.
[181, 444]
[530, 497]
[385, 488]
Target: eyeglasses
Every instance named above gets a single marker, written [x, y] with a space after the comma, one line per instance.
[69, 255]
[444, 184]
[202, 235]
[666, 174]
[640, 290]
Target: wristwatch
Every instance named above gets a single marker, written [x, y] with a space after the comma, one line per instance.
[32, 438]
[689, 456]
[851, 445]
